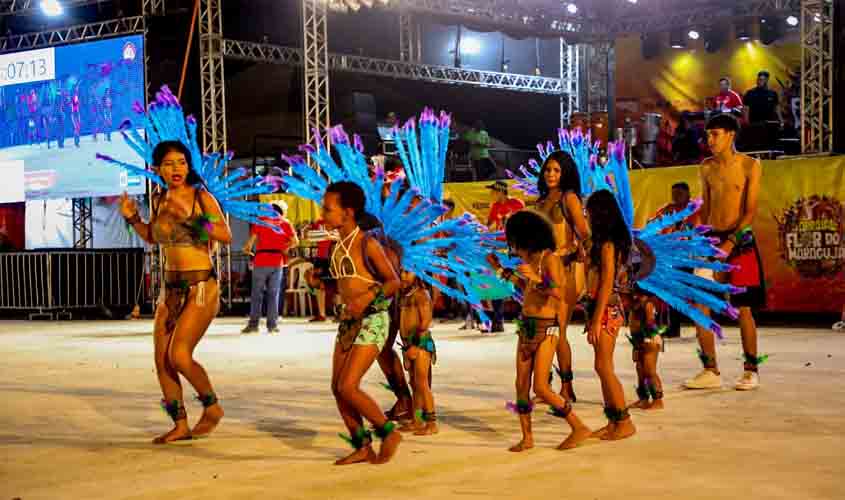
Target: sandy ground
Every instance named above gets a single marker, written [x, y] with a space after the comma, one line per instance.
[81, 404]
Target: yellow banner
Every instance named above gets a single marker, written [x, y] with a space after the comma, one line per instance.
[799, 226]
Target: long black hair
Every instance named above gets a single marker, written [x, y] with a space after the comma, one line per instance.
[531, 231]
[165, 147]
[608, 226]
[569, 178]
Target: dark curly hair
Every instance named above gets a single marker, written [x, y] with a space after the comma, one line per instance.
[165, 147]
[569, 178]
[530, 230]
[608, 226]
[351, 196]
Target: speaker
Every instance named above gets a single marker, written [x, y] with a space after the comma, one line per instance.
[650, 45]
[357, 102]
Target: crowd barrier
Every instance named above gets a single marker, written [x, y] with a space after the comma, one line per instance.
[56, 282]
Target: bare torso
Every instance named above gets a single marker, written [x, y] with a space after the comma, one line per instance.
[535, 303]
[726, 188]
[172, 212]
[350, 288]
[411, 320]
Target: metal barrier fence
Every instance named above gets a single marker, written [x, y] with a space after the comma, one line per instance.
[44, 282]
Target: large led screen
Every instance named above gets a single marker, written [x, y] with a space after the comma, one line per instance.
[60, 106]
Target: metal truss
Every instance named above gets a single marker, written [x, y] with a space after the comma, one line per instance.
[83, 222]
[631, 20]
[315, 65]
[409, 39]
[275, 54]
[71, 34]
[569, 102]
[596, 68]
[213, 109]
[817, 76]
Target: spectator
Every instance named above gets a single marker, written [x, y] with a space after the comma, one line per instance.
[479, 151]
[686, 145]
[727, 101]
[269, 266]
[761, 102]
[501, 209]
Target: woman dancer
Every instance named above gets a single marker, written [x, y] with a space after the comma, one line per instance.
[531, 238]
[75, 115]
[611, 246]
[559, 188]
[185, 220]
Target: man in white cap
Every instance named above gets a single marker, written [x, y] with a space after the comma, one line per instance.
[269, 265]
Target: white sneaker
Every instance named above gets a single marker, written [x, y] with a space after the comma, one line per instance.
[839, 327]
[704, 380]
[748, 382]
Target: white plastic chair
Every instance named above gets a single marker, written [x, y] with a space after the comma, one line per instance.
[298, 288]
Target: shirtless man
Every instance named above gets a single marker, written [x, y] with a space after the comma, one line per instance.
[730, 184]
[364, 321]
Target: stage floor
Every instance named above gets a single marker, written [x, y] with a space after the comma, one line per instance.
[81, 405]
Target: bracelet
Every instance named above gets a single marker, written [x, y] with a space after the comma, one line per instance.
[134, 219]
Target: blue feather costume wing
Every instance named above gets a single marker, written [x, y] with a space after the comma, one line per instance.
[431, 247]
[164, 120]
[669, 256]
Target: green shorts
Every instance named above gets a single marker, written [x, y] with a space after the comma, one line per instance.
[374, 330]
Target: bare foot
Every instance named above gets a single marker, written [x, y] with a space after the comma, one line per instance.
[604, 431]
[525, 444]
[655, 405]
[365, 454]
[578, 436]
[641, 404]
[412, 426]
[210, 418]
[622, 430]
[401, 410]
[388, 448]
[180, 432]
[429, 429]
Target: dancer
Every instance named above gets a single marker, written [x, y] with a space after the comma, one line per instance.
[730, 183]
[108, 102]
[540, 276]
[363, 323]
[409, 228]
[187, 217]
[75, 115]
[611, 246]
[559, 189]
[419, 351]
[191, 295]
[647, 341]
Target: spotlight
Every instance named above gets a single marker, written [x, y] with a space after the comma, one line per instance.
[817, 17]
[572, 8]
[693, 35]
[470, 46]
[743, 31]
[770, 31]
[792, 21]
[51, 8]
[632, 1]
[676, 39]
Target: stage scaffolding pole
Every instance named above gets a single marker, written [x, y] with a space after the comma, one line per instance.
[315, 69]
[213, 96]
[817, 40]
[568, 82]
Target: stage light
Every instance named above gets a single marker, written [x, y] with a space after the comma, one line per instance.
[572, 8]
[632, 1]
[817, 17]
[742, 31]
[470, 46]
[792, 21]
[51, 8]
[693, 35]
[676, 39]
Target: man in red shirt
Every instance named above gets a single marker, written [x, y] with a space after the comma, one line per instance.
[269, 265]
[727, 101]
[502, 208]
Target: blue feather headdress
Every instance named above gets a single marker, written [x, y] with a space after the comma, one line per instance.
[664, 258]
[431, 248]
[164, 120]
[424, 159]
